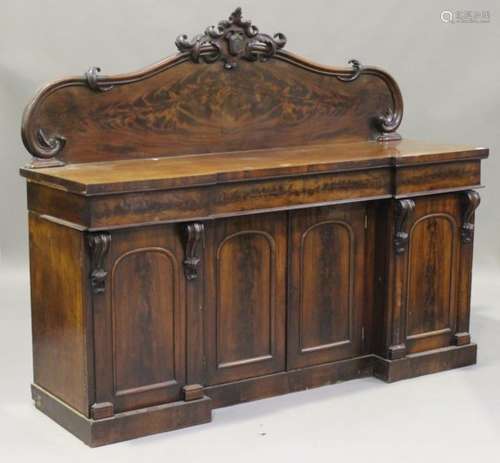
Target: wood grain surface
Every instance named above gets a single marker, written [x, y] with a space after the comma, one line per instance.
[180, 107]
[184, 171]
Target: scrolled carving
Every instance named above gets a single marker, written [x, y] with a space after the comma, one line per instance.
[49, 146]
[92, 76]
[99, 246]
[194, 240]
[42, 144]
[231, 39]
[356, 71]
[390, 119]
[387, 123]
[403, 213]
[471, 200]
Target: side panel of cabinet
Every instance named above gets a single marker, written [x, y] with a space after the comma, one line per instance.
[432, 273]
[62, 353]
[140, 320]
[245, 319]
[326, 284]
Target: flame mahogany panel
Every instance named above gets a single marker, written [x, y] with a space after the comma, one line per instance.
[140, 319]
[432, 273]
[245, 280]
[181, 107]
[326, 284]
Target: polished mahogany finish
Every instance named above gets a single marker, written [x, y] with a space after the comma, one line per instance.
[234, 223]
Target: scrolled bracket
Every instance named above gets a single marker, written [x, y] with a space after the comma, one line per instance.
[44, 148]
[404, 209]
[471, 200]
[232, 39]
[357, 68]
[99, 246]
[387, 123]
[50, 145]
[93, 80]
[194, 233]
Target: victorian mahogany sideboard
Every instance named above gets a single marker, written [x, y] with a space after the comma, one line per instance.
[233, 223]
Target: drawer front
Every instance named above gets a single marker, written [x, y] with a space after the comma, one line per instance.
[326, 284]
[428, 179]
[245, 278]
[208, 202]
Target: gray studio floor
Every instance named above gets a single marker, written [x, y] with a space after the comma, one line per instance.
[452, 416]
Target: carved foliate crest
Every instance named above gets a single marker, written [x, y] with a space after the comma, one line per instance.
[229, 41]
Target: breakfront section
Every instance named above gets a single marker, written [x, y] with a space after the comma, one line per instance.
[183, 307]
[283, 291]
[180, 307]
[424, 277]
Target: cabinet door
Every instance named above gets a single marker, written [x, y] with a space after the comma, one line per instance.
[140, 319]
[326, 284]
[245, 274]
[432, 272]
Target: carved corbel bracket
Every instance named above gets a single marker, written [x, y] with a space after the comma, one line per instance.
[404, 211]
[471, 200]
[99, 246]
[194, 243]
[230, 40]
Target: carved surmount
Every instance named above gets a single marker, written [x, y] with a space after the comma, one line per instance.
[404, 210]
[471, 200]
[93, 80]
[99, 246]
[194, 241]
[229, 40]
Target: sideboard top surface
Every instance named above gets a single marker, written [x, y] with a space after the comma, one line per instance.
[197, 170]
